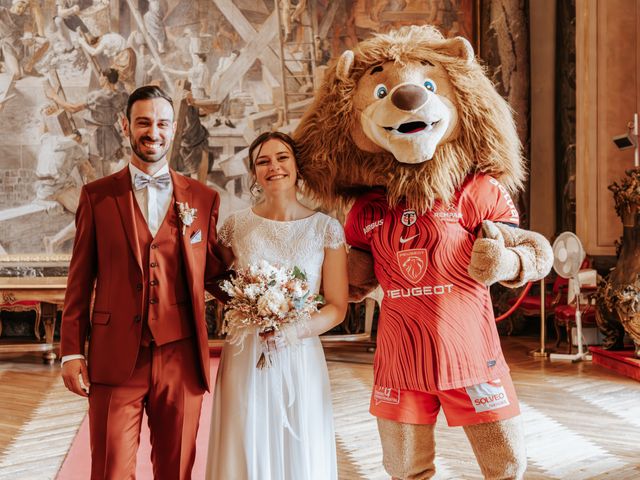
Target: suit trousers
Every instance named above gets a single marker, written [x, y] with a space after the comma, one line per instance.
[166, 383]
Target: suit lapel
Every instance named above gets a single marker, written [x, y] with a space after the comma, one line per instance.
[124, 200]
[183, 194]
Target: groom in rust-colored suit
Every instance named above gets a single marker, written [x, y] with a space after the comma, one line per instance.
[150, 260]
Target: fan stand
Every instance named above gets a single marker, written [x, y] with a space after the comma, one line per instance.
[581, 355]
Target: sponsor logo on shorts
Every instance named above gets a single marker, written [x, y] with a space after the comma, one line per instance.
[487, 396]
[412, 263]
[409, 217]
[386, 395]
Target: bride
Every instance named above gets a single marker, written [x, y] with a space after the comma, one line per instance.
[276, 423]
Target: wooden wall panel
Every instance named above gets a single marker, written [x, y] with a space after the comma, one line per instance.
[542, 24]
[607, 97]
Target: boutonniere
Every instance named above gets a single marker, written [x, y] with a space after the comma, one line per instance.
[187, 215]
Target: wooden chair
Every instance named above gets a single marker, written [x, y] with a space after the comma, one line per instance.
[565, 315]
[530, 306]
[532, 301]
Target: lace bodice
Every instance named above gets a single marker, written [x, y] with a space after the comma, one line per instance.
[298, 243]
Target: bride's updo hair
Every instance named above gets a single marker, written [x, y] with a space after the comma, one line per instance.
[261, 140]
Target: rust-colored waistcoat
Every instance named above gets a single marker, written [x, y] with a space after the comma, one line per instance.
[164, 286]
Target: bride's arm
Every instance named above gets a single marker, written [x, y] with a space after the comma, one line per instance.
[336, 291]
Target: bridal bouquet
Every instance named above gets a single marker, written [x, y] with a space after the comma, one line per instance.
[266, 297]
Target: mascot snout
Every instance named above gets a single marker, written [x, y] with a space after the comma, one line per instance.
[409, 97]
[410, 122]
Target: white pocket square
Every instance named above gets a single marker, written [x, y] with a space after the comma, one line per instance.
[196, 237]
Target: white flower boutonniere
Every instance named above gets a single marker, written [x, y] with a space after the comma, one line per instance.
[187, 215]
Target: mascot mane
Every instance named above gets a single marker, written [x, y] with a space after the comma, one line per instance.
[335, 170]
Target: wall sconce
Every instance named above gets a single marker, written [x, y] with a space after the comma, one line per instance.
[629, 139]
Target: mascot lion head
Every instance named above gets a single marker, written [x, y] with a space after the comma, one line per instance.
[412, 112]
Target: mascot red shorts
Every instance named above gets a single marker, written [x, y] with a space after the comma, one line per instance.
[482, 403]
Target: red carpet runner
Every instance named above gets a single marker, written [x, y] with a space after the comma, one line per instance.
[77, 464]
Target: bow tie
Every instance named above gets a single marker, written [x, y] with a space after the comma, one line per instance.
[142, 181]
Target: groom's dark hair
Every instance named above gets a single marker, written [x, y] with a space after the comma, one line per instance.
[146, 92]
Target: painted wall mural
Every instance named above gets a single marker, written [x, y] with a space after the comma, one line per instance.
[235, 68]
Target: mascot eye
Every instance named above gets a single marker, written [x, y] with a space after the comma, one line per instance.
[381, 91]
[431, 86]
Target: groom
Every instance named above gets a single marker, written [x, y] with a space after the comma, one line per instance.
[146, 237]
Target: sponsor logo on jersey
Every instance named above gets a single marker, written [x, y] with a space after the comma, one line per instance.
[371, 226]
[412, 263]
[424, 291]
[409, 217]
[515, 217]
[487, 396]
[451, 215]
[386, 395]
[405, 240]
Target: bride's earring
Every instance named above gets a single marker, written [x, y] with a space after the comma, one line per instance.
[255, 189]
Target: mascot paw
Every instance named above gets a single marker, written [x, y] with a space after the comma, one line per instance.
[491, 261]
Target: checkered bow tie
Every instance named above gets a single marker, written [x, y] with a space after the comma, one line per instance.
[142, 181]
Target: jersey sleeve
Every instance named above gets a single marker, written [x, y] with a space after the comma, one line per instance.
[354, 226]
[484, 198]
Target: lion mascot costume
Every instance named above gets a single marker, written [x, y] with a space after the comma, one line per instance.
[410, 135]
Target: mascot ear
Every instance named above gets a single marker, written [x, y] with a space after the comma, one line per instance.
[345, 62]
[458, 47]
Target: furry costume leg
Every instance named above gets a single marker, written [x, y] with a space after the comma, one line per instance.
[408, 450]
[499, 448]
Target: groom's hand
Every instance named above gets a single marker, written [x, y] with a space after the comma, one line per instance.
[71, 373]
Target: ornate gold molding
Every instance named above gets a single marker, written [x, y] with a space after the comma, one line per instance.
[42, 259]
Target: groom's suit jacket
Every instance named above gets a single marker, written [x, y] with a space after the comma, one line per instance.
[107, 255]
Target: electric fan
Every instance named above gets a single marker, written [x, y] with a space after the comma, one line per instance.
[568, 256]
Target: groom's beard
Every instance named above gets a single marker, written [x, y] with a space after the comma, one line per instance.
[155, 155]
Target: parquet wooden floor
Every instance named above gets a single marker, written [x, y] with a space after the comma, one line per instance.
[581, 421]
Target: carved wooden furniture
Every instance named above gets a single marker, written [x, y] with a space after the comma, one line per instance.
[530, 306]
[45, 294]
[565, 318]
[565, 312]
[10, 304]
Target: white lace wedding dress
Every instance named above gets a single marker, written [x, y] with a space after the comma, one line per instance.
[275, 423]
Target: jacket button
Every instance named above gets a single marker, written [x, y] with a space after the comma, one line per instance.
[153, 283]
[153, 245]
[139, 287]
[153, 301]
[137, 318]
[153, 264]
